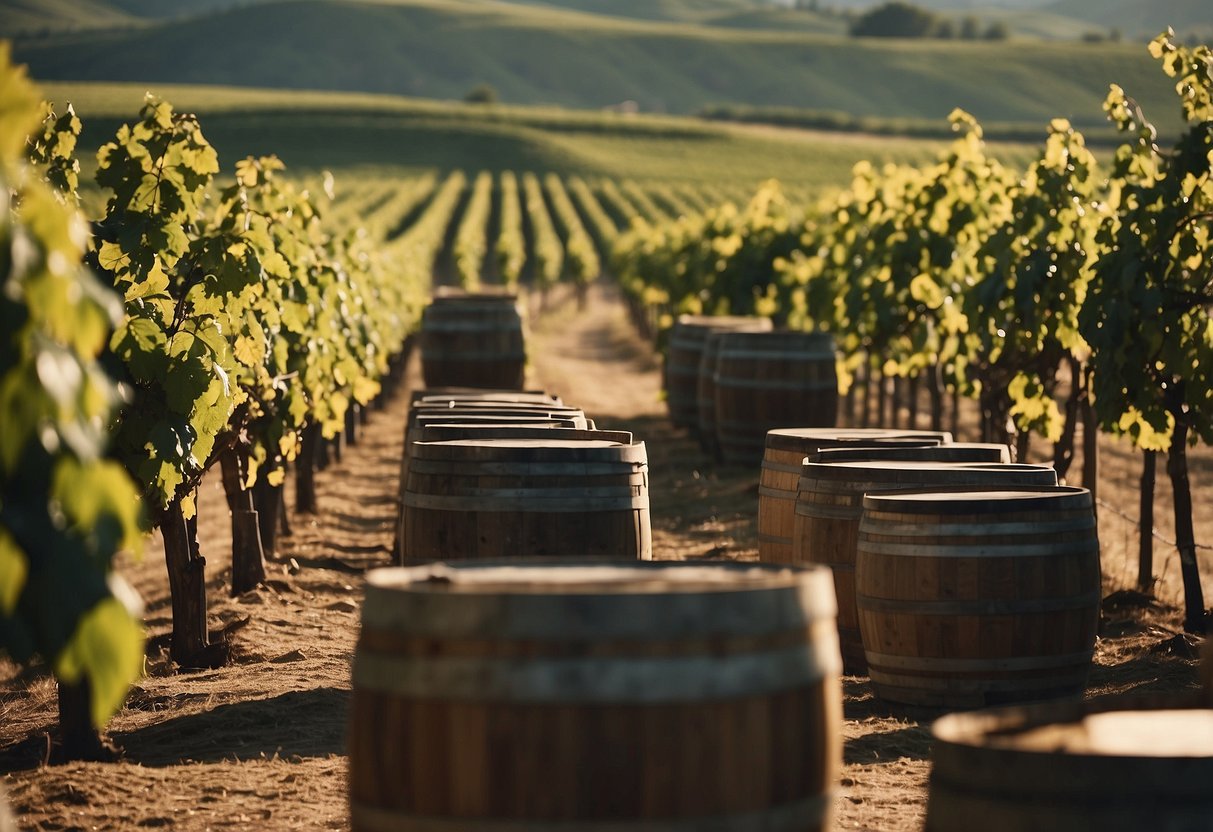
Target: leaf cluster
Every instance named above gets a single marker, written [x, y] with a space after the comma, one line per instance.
[65, 510]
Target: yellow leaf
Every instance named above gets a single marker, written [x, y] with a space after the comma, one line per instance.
[112, 258]
[188, 506]
[276, 477]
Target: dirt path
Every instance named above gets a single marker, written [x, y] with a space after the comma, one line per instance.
[260, 744]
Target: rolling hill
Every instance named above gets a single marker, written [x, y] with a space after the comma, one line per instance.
[549, 56]
[316, 130]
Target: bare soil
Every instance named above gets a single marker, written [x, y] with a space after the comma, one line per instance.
[260, 743]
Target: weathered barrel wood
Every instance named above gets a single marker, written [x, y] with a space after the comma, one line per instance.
[770, 380]
[526, 497]
[500, 697]
[952, 452]
[829, 504]
[973, 598]
[473, 340]
[785, 450]
[1116, 764]
[683, 354]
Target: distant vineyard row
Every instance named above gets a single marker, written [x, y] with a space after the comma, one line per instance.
[472, 230]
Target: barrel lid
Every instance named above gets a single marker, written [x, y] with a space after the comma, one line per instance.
[450, 294]
[807, 440]
[980, 500]
[467, 395]
[554, 442]
[722, 320]
[1080, 729]
[490, 405]
[597, 576]
[554, 430]
[825, 470]
[777, 341]
[951, 452]
[558, 599]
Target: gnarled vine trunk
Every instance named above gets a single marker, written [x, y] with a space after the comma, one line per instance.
[248, 561]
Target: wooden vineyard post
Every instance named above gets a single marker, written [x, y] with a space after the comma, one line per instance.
[1145, 544]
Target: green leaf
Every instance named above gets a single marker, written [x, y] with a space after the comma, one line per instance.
[107, 647]
[142, 345]
[14, 567]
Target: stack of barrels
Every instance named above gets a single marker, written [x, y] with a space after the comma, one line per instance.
[547, 674]
[962, 579]
[501, 473]
[731, 379]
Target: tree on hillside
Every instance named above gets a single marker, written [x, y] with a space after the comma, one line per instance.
[896, 20]
[481, 94]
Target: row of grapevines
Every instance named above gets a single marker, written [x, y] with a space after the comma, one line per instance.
[471, 237]
[720, 262]
[413, 254]
[1007, 286]
[617, 205]
[65, 510]
[547, 253]
[598, 222]
[391, 217]
[509, 249]
[580, 255]
[673, 200]
[646, 206]
[243, 326]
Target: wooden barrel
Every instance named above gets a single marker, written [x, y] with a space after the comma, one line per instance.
[785, 451]
[511, 696]
[473, 340]
[973, 598]
[683, 353]
[829, 505]
[705, 392]
[1116, 764]
[769, 380]
[487, 498]
[952, 452]
[426, 412]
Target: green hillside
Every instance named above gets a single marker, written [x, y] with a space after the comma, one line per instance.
[38, 16]
[348, 130]
[546, 56]
[1141, 18]
[686, 11]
